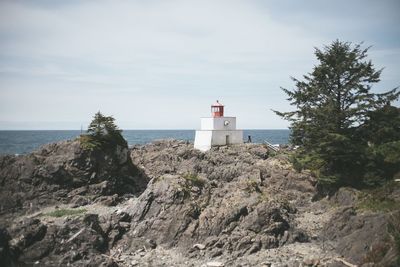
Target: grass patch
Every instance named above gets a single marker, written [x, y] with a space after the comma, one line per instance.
[379, 199]
[88, 142]
[263, 197]
[65, 212]
[375, 204]
[194, 179]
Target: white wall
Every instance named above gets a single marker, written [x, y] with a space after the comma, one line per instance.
[218, 123]
[207, 124]
[204, 139]
[219, 137]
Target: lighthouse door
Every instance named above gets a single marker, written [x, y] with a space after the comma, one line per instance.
[227, 141]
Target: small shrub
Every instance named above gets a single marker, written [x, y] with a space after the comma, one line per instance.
[89, 143]
[65, 212]
[252, 186]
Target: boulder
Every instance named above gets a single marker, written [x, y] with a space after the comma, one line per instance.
[362, 237]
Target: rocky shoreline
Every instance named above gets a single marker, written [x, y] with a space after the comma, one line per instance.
[167, 204]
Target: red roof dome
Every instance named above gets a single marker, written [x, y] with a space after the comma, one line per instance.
[217, 104]
[217, 110]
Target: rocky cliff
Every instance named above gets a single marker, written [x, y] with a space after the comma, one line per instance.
[167, 204]
[63, 172]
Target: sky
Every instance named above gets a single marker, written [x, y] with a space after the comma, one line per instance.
[160, 64]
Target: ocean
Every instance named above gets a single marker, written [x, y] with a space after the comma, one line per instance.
[21, 142]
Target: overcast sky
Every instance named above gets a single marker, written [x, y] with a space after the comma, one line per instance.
[159, 64]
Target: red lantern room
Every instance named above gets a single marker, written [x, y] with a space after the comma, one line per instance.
[217, 110]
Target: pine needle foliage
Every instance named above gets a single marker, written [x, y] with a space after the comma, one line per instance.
[102, 133]
[337, 118]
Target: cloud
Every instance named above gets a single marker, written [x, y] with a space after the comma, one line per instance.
[72, 59]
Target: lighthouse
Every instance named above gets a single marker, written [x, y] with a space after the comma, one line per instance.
[217, 130]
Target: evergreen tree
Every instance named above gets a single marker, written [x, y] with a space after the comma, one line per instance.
[332, 103]
[382, 132]
[103, 133]
[382, 125]
[102, 125]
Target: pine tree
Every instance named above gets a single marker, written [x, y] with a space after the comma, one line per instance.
[382, 132]
[103, 133]
[102, 125]
[332, 103]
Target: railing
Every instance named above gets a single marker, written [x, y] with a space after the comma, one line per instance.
[271, 146]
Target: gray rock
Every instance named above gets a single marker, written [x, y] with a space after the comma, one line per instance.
[215, 264]
[311, 261]
[65, 172]
[345, 197]
[218, 198]
[199, 246]
[151, 243]
[234, 203]
[216, 253]
[360, 236]
[79, 201]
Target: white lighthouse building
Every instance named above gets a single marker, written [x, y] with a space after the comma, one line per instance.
[217, 130]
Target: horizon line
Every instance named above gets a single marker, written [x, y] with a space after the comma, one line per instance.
[168, 129]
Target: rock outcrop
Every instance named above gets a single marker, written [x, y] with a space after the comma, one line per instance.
[364, 237]
[234, 200]
[63, 173]
[57, 174]
[167, 204]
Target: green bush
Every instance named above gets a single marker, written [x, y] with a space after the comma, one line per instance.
[89, 143]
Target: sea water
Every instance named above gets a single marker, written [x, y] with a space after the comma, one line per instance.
[21, 142]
